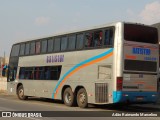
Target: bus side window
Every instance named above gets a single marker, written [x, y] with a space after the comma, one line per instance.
[64, 42]
[22, 73]
[50, 44]
[98, 38]
[108, 37]
[37, 73]
[32, 74]
[79, 41]
[89, 40]
[29, 73]
[12, 73]
[47, 73]
[15, 50]
[22, 49]
[41, 70]
[57, 44]
[44, 46]
[38, 47]
[26, 74]
[71, 42]
[33, 48]
[55, 72]
[27, 48]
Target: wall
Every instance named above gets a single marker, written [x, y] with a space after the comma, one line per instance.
[3, 84]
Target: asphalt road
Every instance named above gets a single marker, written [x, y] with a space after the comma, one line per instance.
[12, 103]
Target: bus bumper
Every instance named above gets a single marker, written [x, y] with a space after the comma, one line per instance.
[134, 97]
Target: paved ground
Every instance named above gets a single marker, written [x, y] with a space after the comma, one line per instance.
[12, 103]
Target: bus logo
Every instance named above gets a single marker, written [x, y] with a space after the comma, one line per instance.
[141, 51]
[55, 58]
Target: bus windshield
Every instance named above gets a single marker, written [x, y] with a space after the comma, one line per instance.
[139, 33]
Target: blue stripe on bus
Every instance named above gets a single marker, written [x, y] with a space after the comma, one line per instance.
[119, 96]
[79, 64]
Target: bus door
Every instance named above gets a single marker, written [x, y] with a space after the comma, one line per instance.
[11, 77]
[11, 83]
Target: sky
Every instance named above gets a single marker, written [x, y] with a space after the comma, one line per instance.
[22, 20]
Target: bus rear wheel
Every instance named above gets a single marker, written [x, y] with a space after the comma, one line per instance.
[20, 93]
[68, 97]
[82, 99]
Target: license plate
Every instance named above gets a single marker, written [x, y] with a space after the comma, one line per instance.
[139, 98]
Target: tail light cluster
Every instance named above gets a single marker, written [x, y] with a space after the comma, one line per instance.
[119, 83]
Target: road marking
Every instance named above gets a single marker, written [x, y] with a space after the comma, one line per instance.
[33, 118]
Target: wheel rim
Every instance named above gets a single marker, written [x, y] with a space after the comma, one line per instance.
[21, 93]
[82, 98]
[68, 98]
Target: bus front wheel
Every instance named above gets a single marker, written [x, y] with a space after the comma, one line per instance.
[82, 99]
[68, 97]
[20, 93]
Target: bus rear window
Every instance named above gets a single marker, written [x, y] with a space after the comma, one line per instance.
[139, 33]
[137, 65]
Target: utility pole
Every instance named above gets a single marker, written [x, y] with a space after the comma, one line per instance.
[4, 58]
[1, 62]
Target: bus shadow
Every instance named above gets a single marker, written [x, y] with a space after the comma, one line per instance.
[111, 107]
[47, 100]
[129, 107]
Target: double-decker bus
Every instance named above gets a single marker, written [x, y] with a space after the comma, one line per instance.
[112, 63]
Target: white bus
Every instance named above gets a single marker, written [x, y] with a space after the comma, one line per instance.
[112, 63]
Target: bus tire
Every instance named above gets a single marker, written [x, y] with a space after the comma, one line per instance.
[68, 97]
[82, 99]
[20, 93]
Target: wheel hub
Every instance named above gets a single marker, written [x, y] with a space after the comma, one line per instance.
[21, 93]
[82, 98]
[68, 98]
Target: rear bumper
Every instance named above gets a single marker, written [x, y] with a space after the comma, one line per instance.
[135, 97]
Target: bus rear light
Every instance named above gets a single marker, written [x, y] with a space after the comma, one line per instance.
[90, 95]
[154, 95]
[126, 95]
[119, 83]
[110, 95]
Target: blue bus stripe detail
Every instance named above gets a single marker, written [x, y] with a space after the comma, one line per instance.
[79, 64]
[132, 96]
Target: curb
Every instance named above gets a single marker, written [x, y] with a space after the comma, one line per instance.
[3, 92]
[155, 106]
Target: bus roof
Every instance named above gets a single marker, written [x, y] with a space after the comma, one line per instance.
[78, 31]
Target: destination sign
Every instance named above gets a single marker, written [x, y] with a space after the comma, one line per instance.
[141, 51]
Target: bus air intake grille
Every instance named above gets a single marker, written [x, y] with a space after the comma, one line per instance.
[101, 92]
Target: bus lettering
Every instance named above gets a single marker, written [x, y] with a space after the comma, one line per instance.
[142, 51]
[55, 58]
